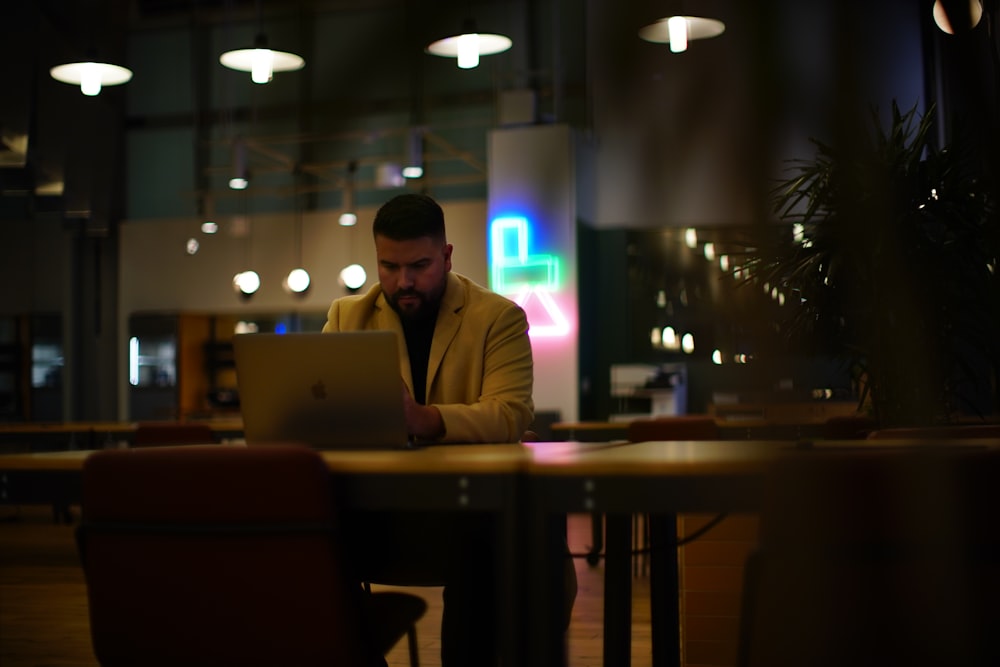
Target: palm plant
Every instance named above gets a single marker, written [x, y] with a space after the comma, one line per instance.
[891, 261]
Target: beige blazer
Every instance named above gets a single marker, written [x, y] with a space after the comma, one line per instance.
[480, 371]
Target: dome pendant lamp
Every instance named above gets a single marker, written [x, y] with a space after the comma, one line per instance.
[261, 61]
[91, 76]
[678, 30]
[957, 16]
[469, 45]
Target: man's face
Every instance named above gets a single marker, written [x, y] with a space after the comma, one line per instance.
[413, 273]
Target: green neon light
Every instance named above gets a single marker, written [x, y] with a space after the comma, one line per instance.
[513, 269]
[524, 276]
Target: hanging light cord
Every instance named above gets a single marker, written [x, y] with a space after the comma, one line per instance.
[298, 217]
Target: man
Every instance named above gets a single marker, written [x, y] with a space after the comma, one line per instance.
[465, 352]
[467, 377]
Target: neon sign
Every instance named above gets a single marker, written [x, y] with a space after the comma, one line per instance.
[525, 277]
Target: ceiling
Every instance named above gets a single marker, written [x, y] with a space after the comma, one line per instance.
[54, 143]
[671, 133]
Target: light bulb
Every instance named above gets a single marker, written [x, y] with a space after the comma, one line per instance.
[677, 26]
[669, 338]
[957, 18]
[297, 281]
[348, 219]
[90, 79]
[353, 276]
[262, 65]
[246, 282]
[468, 50]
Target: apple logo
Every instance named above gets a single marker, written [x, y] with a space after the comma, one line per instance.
[318, 390]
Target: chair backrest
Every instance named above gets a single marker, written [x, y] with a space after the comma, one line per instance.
[541, 425]
[953, 432]
[212, 555]
[151, 434]
[681, 427]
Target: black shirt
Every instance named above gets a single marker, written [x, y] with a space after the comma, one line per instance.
[419, 334]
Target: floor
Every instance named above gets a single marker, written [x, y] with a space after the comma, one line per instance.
[43, 605]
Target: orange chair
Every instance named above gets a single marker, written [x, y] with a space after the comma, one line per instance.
[226, 555]
[154, 434]
[681, 427]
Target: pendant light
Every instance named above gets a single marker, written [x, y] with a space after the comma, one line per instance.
[957, 16]
[469, 45]
[297, 281]
[414, 167]
[246, 282]
[677, 30]
[240, 175]
[91, 75]
[260, 60]
[348, 216]
[353, 277]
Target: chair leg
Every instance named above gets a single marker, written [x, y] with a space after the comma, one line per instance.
[640, 544]
[636, 529]
[411, 641]
[597, 532]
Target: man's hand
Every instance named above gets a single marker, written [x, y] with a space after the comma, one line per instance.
[422, 421]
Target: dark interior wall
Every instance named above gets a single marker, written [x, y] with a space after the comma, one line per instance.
[605, 317]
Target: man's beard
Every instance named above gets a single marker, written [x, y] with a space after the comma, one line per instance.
[426, 308]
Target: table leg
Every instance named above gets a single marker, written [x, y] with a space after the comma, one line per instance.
[617, 590]
[509, 578]
[541, 591]
[664, 590]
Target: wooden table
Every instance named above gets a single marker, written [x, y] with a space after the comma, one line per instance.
[86, 435]
[734, 426]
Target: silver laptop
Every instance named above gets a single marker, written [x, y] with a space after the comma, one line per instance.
[326, 390]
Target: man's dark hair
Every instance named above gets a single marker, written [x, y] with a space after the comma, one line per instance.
[409, 216]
